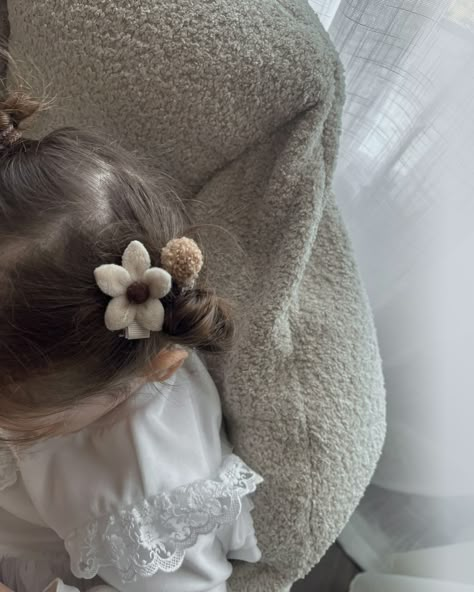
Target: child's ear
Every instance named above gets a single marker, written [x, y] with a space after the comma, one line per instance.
[164, 364]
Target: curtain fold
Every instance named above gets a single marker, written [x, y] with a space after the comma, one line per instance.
[404, 182]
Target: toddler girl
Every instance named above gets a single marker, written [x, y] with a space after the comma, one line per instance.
[115, 469]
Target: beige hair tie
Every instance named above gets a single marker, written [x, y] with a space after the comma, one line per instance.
[9, 135]
[183, 259]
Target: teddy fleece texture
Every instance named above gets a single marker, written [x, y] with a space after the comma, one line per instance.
[240, 102]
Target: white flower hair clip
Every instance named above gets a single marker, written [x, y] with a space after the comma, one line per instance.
[136, 288]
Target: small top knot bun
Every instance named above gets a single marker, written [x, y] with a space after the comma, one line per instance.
[183, 260]
[15, 108]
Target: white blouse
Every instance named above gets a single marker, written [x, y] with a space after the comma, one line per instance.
[155, 501]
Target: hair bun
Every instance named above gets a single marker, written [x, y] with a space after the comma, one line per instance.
[15, 108]
[200, 319]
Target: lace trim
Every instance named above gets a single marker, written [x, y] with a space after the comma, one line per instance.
[152, 536]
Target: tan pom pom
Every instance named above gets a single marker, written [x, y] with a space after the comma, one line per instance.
[183, 260]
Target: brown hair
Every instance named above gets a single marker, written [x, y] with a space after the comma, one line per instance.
[70, 202]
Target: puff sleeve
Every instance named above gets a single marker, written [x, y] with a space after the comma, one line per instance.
[155, 501]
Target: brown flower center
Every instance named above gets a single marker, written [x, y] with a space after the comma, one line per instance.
[138, 293]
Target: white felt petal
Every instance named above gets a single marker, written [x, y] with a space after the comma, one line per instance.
[119, 313]
[159, 282]
[112, 279]
[136, 260]
[150, 314]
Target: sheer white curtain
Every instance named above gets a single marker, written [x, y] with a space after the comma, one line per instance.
[405, 184]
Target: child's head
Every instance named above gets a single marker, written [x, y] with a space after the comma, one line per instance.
[69, 203]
